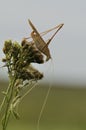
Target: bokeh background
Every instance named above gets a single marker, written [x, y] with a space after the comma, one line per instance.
[66, 72]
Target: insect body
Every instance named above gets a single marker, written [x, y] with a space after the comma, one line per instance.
[41, 45]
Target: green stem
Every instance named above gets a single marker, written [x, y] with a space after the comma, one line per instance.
[7, 111]
[4, 100]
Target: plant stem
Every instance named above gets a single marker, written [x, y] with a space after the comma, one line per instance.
[9, 99]
[4, 100]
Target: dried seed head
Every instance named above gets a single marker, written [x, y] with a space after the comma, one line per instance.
[31, 52]
[7, 46]
[29, 75]
[19, 58]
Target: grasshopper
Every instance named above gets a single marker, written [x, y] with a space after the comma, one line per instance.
[39, 42]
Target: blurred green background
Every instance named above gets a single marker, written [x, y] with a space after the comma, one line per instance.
[65, 109]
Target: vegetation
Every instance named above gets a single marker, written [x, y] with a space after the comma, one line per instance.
[18, 59]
